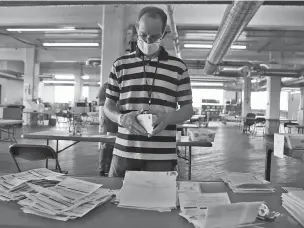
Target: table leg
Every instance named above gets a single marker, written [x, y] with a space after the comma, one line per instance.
[189, 163]
[47, 142]
[268, 163]
[57, 149]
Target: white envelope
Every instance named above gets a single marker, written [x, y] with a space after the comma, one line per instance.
[146, 120]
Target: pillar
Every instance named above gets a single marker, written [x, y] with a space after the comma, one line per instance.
[78, 87]
[114, 32]
[273, 105]
[36, 80]
[300, 114]
[246, 96]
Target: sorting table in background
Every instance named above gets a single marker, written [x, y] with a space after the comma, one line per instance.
[8, 127]
[65, 136]
[111, 216]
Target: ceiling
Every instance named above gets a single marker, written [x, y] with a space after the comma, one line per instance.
[274, 35]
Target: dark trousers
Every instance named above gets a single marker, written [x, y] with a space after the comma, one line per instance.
[105, 157]
[120, 165]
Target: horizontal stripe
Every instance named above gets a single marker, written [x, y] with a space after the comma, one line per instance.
[161, 74]
[184, 87]
[145, 156]
[182, 103]
[161, 65]
[146, 139]
[142, 81]
[113, 88]
[147, 88]
[114, 98]
[145, 94]
[145, 144]
[156, 108]
[145, 150]
[184, 81]
[184, 93]
[184, 98]
[146, 101]
[169, 130]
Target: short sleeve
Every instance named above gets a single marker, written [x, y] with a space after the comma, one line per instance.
[184, 92]
[113, 89]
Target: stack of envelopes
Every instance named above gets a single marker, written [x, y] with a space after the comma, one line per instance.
[149, 191]
[247, 183]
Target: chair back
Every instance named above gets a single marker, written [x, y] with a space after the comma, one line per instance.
[250, 119]
[32, 152]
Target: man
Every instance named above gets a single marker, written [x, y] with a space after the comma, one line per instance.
[150, 80]
[106, 127]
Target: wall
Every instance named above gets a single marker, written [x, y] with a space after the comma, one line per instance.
[293, 104]
[11, 91]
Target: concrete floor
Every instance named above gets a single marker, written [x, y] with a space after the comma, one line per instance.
[232, 151]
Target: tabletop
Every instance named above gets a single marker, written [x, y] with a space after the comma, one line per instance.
[65, 135]
[110, 216]
[9, 122]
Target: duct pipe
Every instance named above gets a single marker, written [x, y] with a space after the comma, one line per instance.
[281, 73]
[174, 31]
[240, 14]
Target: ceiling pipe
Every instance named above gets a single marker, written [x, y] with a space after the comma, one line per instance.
[236, 19]
[174, 32]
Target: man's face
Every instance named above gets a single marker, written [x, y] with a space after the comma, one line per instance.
[150, 29]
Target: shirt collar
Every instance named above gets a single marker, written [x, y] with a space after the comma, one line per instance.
[163, 54]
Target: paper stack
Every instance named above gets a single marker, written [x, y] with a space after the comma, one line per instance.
[149, 191]
[293, 202]
[214, 210]
[247, 183]
[13, 186]
[49, 194]
[70, 199]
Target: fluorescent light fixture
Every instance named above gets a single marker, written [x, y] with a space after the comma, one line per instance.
[206, 84]
[58, 82]
[208, 46]
[70, 44]
[65, 61]
[198, 45]
[85, 77]
[64, 76]
[40, 29]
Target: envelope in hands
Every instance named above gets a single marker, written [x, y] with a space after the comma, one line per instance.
[147, 120]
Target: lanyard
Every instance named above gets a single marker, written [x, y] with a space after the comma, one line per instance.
[152, 85]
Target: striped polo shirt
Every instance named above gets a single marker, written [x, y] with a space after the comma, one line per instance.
[128, 85]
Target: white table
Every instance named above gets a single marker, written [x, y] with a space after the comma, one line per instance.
[8, 127]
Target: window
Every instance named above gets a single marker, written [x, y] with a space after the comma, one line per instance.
[64, 94]
[259, 100]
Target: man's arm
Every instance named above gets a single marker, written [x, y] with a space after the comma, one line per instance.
[181, 115]
[110, 110]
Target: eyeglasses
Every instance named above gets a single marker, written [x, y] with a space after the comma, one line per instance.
[150, 39]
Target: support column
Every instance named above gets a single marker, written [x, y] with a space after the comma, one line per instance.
[273, 105]
[78, 86]
[300, 115]
[36, 80]
[114, 30]
[246, 96]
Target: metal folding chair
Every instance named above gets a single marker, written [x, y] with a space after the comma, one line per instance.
[34, 153]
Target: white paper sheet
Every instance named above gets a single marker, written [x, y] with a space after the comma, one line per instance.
[232, 215]
[279, 142]
[192, 200]
[189, 186]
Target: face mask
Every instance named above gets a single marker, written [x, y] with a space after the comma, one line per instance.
[148, 49]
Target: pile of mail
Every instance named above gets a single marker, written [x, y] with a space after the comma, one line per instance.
[13, 186]
[293, 202]
[214, 210]
[52, 195]
[148, 191]
[247, 183]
